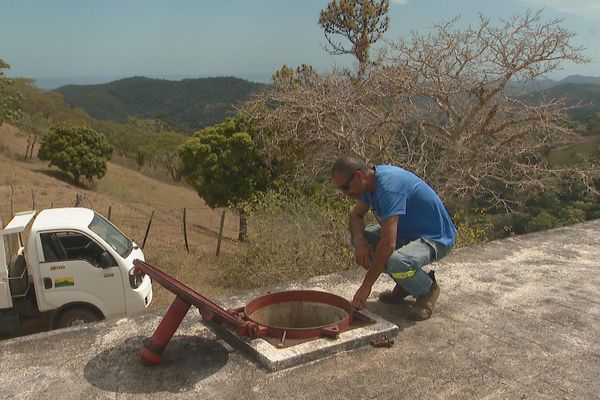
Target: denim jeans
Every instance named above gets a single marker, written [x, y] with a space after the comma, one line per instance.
[405, 264]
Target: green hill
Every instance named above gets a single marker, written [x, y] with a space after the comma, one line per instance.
[585, 93]
[194, 103]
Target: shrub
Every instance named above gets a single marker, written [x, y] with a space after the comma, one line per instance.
[292, 237]
[473, 227]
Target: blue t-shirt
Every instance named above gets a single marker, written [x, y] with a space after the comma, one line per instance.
[422, 213]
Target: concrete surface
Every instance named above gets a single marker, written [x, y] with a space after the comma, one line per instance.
[275, 359]
[516, 319]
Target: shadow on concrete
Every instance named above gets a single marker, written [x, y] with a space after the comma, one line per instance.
[398, 314]
[29, 327]
[186, 361]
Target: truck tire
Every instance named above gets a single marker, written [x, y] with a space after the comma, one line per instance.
[77, 316]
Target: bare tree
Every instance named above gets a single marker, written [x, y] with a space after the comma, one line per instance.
[362, 22]
[444, 104]
[310, 118]
[33, 127]
[477, 135]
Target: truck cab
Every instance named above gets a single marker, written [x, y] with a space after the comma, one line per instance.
[74, 266]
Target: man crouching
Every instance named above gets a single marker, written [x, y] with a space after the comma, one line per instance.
[414, 230]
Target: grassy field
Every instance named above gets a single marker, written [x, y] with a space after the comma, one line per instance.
[131, 197]
[570, 154]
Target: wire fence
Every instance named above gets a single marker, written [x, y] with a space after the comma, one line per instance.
[186, 228]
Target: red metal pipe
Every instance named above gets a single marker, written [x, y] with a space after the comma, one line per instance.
[152, 350]
[208, 309]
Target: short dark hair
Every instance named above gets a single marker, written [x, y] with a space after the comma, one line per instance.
[347, 165]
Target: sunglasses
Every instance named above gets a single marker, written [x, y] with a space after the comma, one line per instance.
[346, 185]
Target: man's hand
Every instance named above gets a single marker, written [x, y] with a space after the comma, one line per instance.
[361, 296]
[362, 254]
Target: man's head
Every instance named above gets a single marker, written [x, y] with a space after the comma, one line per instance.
[350, 175]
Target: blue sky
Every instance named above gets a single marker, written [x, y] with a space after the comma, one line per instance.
[249, 38]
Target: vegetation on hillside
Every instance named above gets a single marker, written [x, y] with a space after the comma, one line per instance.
[146, 142]
[193, 103]
[9, 102]
[583, 98]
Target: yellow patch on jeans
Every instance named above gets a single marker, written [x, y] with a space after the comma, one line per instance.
[403, 275]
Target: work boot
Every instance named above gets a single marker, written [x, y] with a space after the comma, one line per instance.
[423, 307]
[395, 296]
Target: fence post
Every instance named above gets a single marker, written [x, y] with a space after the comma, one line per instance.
[187, 247]
[12, 201]
[33, 197]
[148, 229]
[79, 198]
[220, 233]
[109, 212]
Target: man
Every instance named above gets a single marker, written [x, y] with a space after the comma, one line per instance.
[414, 230]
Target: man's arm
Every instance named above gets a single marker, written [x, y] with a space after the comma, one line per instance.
[357, 225]
[385, 248]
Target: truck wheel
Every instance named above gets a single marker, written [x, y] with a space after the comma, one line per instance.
[77, 316]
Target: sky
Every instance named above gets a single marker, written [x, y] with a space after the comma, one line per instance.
[89, 41]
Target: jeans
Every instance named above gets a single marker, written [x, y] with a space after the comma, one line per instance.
[405, 264]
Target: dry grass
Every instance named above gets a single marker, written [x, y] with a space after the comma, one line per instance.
[131, 196]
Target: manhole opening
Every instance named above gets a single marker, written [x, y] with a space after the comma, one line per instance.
[298, 315]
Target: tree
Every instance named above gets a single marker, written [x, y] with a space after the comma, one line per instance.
[9, 102]
[443, 104]
[80, 151]
[41, 109]
[223, 163]
[35, 126]
[362, 22]
[161, 149]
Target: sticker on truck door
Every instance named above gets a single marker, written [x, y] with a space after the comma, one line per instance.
[62, 282]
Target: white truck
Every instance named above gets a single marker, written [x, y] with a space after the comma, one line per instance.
[73, 267]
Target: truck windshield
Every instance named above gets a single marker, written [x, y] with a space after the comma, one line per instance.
[111, 235]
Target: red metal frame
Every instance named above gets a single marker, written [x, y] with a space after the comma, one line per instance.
[236, 319]
[331, 330]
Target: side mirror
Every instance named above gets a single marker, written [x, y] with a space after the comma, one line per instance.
[106, 260]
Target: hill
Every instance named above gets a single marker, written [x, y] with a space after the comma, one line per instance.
[586, 94]
[194, 103]
[580, 79]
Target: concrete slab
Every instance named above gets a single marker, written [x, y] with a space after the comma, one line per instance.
[516, 319]
[276, 359]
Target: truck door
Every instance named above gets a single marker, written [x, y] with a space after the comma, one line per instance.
[71, 272]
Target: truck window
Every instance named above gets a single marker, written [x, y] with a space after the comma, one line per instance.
[111, 235]
[64, 246]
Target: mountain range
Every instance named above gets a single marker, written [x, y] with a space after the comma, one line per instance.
[193, 103]
[200, 102]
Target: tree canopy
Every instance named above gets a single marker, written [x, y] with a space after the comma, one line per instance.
[225, 166]
[223, 163]
[361, 22]
[79, 151]
[9, 102]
